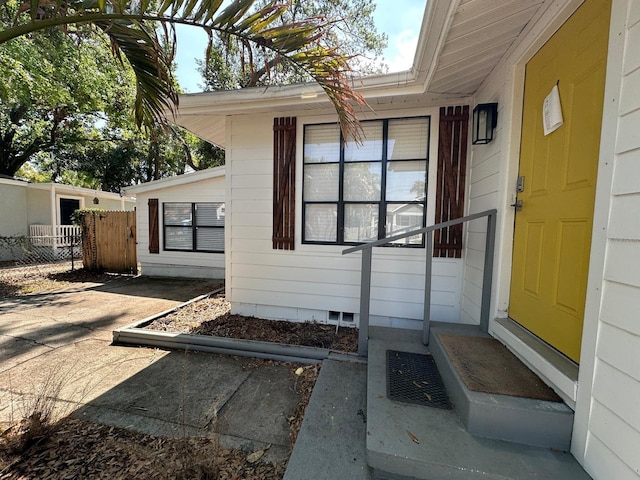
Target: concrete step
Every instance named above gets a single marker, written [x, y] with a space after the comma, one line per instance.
[408, 441]
[540, 423]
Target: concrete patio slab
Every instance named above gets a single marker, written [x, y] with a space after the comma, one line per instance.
[65, 336]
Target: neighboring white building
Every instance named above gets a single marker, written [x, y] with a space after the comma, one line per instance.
[570, 256]
[44, 209]
[185, 236]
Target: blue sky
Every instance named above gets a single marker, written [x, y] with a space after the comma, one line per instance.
[399, 19]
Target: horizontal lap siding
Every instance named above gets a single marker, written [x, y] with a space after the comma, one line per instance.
[484, 180]
[614, 423]
[305, 283]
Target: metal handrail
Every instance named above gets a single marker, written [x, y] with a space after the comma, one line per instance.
[365, 273]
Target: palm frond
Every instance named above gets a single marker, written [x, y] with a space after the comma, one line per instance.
[155, 92]
[131, 26]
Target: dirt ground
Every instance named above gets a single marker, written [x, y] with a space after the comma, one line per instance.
[36, 279]
[38, 446]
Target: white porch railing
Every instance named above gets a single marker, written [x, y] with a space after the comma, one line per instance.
[48, 236]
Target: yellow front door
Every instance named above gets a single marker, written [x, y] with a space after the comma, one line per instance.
[553, 228]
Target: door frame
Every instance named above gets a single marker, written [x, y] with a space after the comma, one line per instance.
[545, 362]
[60, 196]
[543, 27]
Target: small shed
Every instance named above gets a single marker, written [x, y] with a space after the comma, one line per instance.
[180, 225]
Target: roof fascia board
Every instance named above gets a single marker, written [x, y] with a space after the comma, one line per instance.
[176, 181]
[17, 183]
[438, 17]
[436, 22]
[70, 189]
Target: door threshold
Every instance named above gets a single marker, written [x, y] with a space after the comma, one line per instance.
[556, 370]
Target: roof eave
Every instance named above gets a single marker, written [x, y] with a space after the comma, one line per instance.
[436, 21]
[176, 181]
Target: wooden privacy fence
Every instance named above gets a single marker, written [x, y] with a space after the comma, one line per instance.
[109, 242]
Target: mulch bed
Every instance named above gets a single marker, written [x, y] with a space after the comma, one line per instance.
[212, 316]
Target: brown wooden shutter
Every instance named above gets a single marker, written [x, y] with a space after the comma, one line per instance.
[452, 168]
[154, 236]
[284, 183]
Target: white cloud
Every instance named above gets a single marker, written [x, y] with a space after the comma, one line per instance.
[401, 21]
[401, 51]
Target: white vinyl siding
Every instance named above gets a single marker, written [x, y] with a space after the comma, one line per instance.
[14, 220]
[304, 284]
[614, 420]
[179, 263]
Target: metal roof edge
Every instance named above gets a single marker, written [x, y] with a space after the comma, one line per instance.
[436, 21]
[176, 181]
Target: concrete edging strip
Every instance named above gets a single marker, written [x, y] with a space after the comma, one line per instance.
[133, 334]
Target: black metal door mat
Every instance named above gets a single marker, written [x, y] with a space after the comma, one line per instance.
[414, 378]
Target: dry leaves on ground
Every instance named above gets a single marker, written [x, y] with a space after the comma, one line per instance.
[42, 278]
[212, 316]
[86, 450]
[78, 449]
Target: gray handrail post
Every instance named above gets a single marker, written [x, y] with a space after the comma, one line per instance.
[365, 273]
[487, 274]
[365, 301]
[427, 287]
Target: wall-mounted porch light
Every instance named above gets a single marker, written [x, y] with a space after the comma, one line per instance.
[96, 200]
[485, 119]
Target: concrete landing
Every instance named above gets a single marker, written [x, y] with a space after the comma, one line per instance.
[406, 441]
[514, 419]
[331, 442]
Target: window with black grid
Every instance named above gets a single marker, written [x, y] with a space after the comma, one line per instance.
[194, 227]
[360, 193]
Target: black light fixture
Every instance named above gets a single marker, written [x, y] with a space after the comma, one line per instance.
[485, 119]
[96, 200]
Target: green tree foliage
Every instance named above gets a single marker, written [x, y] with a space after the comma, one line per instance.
[110, 159]
[353, 30]
[65, 107]
[56, 123]
[132, 28]
[49, 97]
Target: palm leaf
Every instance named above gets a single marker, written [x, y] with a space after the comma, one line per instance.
[133, 36]
[155, 93]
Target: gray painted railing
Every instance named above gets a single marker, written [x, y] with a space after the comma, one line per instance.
[365, 274]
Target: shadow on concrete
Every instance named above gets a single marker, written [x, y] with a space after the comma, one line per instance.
[34, 324]
[177, 289]
[244, 403]
[36, 334]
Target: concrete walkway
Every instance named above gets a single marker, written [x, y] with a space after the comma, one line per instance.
[332, 441]
[58, 344]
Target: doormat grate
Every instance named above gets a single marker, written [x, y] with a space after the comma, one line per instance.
[414, 378]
